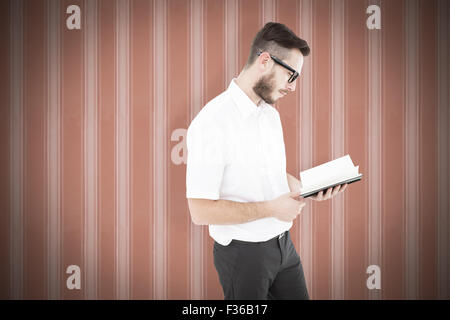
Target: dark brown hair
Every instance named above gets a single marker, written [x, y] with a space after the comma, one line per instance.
[275, 38]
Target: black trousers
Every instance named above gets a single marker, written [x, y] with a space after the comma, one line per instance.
[260, 270]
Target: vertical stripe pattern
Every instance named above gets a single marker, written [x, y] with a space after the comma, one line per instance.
[91, 147]
[93, 151]
[374, 100]
[196, 72]
[18, 157]
[338, 139]
[160, 157]
[443, 224]
[123, 149]
[306, 143]
[268, 12]
[411, 146]
[231, 40]
[5, 155]
[54, 151]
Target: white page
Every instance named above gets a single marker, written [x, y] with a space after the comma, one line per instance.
[336, 170]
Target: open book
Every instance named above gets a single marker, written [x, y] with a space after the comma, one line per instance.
[328, 175]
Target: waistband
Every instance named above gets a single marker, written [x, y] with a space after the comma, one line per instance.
[276, 238]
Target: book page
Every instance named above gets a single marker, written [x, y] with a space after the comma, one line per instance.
[328, 173]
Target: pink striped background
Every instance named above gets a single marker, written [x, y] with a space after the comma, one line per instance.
[93, 154]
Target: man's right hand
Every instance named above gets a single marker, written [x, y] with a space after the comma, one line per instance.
[286, 207]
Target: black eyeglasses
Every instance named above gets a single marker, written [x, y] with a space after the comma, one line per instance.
[294, 74]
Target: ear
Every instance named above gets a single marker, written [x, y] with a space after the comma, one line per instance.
[264, 62]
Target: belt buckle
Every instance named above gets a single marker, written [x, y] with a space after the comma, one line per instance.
[281, 236]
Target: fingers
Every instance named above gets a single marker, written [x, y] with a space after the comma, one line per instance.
[319, 196]
[335, 190]
[338, 189]
[326, 196]
[330, 192]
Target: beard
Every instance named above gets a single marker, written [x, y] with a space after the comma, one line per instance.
[264, 88]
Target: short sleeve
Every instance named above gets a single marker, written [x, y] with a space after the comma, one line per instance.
[205, 160]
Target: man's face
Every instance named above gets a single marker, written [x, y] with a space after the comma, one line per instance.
[274, 85]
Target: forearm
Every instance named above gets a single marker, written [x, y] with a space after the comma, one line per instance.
[222, 212]
[294, 183]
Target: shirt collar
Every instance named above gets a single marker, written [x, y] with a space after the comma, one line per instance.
[243, 102]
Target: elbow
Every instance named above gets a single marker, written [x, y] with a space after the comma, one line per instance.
[195, 212]
[197, 220]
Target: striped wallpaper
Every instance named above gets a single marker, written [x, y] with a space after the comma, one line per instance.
[93, 153]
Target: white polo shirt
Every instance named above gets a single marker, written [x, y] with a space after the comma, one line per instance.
[235, 151]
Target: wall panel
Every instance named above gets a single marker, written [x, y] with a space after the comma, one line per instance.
[93, 151]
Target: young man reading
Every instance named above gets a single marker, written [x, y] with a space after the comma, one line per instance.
[236, 179]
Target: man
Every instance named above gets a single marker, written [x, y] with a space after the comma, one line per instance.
[236, 179]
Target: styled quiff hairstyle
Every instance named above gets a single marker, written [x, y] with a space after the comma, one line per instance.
[276, 39]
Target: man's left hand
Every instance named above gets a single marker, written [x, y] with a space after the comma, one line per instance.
[331, 192]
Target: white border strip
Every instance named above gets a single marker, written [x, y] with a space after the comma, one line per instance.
[90, 151]
[375, 150]
[122, 149]
[17, 151]
[337, 145]
[306, 134]
[197, 244]
[160, 153]
[412, 152]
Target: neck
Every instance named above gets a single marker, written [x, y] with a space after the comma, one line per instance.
[246, 84]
